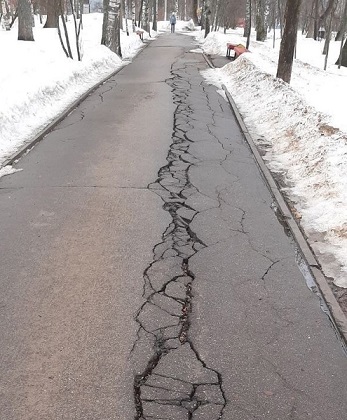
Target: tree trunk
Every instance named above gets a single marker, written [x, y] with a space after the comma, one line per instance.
[328, 33]
[140, 14]
[202, 16]
[25, 29]
[342, 29]
[52, 8]
[207, 17]
[155, 12]
[280, 15]
[313, 14]
[260, 21]
[104, 22]
[111, 26]
[5, 14]
[291, 19]
[133, 14]
[248, 19]
[122, 14]
[146, 25]
[194, 12]
[328, 11]
[250, 24]
[343, 56]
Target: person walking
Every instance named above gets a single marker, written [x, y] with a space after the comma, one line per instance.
[173, 22]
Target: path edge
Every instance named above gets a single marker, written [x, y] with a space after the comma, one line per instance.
[48, 128]
[338, 316]
[68, 110]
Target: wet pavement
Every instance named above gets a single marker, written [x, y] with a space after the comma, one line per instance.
[144, 272]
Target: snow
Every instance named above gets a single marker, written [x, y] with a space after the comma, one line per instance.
[8, 170]
[300, 128]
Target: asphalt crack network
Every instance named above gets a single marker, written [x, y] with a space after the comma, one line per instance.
[176, 383]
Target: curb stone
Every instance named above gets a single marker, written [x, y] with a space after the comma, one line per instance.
[338, 317]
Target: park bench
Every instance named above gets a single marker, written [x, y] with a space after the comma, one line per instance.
[237, 48]
[140, 34]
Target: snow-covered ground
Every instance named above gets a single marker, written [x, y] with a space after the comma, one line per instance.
[302, 126]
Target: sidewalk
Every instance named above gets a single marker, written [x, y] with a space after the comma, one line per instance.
[138, 286]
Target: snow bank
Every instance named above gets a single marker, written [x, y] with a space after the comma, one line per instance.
[38, 82]
[40, 95]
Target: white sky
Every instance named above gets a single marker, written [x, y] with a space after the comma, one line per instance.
[302, 127]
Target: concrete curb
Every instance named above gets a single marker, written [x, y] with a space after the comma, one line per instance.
[337, 315]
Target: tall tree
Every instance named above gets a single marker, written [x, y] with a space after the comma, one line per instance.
[194, 11]
[312, 27]
[260, 26]
[155, 13]
[111, 26]
[52, 10]
[288, 43]
[342, 27]
[145, 16]
[248, 19]
[25, 21]
[207, 13]
[342, 60]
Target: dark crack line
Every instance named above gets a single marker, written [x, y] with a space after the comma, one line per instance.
[180, 243]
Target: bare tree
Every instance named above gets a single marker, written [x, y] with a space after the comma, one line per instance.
[291, 20]
[248, 19]
[342, 60]
[52, 10]
[343, 21]
[207, 14]
[111, 26]
[5, 14]
[25, 21]
[194, 11]
[145, 16]
[260, 26]
[155, 12]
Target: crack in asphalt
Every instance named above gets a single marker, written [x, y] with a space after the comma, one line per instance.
[107, 187]
[80, 113]
[176, 383]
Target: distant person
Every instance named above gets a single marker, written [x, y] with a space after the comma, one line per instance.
[173, 22]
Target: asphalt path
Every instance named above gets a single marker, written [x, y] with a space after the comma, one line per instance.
[144, 273]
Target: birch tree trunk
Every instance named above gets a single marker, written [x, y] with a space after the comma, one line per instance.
[133, 14]
[111, 26]
[5, 14]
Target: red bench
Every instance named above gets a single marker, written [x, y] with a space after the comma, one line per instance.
[237, 48]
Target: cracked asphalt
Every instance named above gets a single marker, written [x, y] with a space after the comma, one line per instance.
[144, 273]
